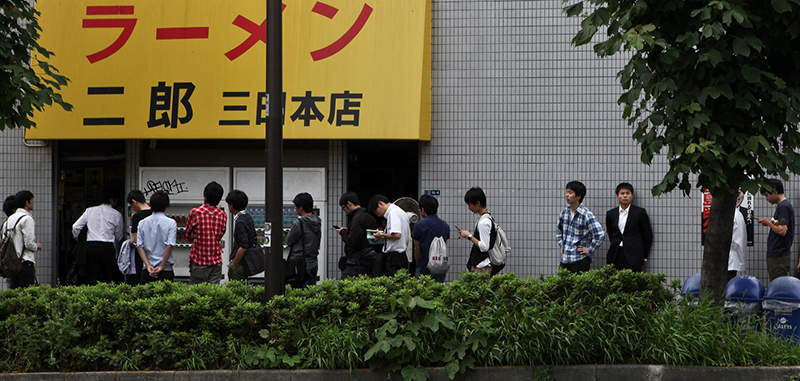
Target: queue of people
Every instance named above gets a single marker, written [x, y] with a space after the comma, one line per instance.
[378, 240]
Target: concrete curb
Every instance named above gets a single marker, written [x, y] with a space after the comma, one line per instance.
[557, 373]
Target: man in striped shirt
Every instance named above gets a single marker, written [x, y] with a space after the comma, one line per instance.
[205, 227]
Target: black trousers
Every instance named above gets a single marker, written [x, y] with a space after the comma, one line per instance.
[26, 276]
[579, 266]
[393, 262]
[620, 263]
[102, 263]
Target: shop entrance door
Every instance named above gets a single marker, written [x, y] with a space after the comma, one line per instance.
[85, 168]
[390, 168]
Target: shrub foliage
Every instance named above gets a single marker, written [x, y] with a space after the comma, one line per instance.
[398, 323]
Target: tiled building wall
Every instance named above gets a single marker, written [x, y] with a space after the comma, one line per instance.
[519, 111]
[31, 168]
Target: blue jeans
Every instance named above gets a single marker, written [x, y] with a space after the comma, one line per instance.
[436, 277]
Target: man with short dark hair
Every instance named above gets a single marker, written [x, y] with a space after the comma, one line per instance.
[629, 231]
[396, 234]
[156, 238]
[360, 255]
[781, 233]
[105, 227]
[141, 210]
[425, 231]
[484, 237]
[304, 237]
[578, 232]
[244, 234]
[24, 238]
[205, 227]
[9, 207]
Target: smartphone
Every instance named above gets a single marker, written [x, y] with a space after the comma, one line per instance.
[337, 227]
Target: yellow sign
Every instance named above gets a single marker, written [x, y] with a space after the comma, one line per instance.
[192, 69]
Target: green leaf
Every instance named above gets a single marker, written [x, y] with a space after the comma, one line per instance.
[574, 10]
[414, 373]
[388, 315]
[738, 16]
[584, 35]
[754, 42]
[781, 6]
[452, 369]
[741, 47]
[750, 74]
[714, 57]
[410, 344]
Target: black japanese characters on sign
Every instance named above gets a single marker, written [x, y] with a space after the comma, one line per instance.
[106, 121]
[166, 98]
[175, 107]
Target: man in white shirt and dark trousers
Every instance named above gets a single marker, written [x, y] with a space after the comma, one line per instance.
[105, 228]
[396, 234]
[484, 237]
[24, 237]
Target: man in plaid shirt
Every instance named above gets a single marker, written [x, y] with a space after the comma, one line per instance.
[578, 232]
[205, 227]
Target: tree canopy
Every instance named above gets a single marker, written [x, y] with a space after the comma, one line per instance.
[28, 81]
[714, 82]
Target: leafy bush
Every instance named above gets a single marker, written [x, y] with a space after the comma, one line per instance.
[398, 323]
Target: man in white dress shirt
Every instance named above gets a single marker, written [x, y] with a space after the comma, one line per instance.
[24, 237]
[396, 234]
[105, 229]
[736, 257]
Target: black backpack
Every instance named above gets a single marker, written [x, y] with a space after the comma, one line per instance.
[294, 267]
[10, 261]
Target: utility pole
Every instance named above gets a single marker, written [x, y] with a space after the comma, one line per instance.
[273, 273]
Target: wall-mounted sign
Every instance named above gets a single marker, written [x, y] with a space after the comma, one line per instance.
[191, 69]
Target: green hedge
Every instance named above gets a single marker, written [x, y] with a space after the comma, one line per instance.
[398, 323]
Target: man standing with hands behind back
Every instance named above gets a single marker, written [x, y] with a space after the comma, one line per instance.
[631, 235]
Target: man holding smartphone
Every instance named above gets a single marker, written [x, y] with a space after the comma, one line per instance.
[359, 255]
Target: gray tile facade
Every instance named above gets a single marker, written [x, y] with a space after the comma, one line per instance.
[519, 112]
[31, 168]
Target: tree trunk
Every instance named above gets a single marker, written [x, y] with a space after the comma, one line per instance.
[714, 274]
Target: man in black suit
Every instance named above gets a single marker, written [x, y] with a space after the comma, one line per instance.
[631, 235]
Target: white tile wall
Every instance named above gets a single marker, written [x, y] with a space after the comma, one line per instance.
[519, 112]
[31, 168]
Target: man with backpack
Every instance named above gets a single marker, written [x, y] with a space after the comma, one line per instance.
[430, 229]
[304, 237]
[484, 237]
[22, 228]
